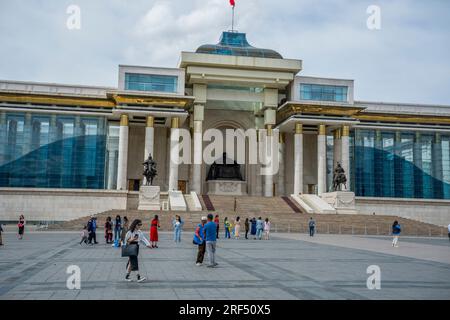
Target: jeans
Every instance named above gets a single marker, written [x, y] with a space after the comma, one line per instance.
[259, 233]
[227, 233]
[201, 252]
[211, 249]
[117, 233]
[311, 231]
[177, 235]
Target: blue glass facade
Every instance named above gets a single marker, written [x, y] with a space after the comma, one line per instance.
[320, 92]
[401, 164]
[52, 151]
[150, 82]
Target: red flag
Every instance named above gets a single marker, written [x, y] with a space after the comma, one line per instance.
[232, 3]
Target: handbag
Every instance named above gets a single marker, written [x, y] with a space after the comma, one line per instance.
[130, 250]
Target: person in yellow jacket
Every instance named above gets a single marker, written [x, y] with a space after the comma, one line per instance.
[227, 226]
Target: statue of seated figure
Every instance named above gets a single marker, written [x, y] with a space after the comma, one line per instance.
[223, 170]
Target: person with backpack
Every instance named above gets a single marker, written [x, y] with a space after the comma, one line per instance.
[199, 240]
[133, 237]
[396, 229]
[312, 227]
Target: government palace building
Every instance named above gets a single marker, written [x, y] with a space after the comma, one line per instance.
[68, 151]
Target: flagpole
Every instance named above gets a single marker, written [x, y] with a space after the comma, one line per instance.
[232, 19]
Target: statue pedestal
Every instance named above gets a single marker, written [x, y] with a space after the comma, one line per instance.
[149, 198]
[227, 187]
[342, 201]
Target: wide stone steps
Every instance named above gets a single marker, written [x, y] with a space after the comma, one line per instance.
[281, 222]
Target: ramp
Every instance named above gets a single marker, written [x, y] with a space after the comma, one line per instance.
[317, 204]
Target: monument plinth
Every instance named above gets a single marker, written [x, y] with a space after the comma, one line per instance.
[149, 198]
[342, 201]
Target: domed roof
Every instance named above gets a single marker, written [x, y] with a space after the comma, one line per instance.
[235, 44]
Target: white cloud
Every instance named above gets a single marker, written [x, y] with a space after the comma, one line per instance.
[405, 61]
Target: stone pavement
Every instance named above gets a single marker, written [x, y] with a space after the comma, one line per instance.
[288, 266]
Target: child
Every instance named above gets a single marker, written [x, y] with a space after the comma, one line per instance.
[84, 235]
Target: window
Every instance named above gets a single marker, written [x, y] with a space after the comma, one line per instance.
[323, 92]
[150, 82]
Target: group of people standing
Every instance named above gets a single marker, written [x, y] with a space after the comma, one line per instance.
[256, 227]
[117, 229]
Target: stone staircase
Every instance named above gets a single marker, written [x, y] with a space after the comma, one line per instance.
[282, 217]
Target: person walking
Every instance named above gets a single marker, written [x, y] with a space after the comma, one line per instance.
[199, 239]
[177, 227]
[108, 230]
[1, 231]
[247, 227]
[117, 229]
[125, 225]
[259, 228]
[266, 229]
[84, 235]
[217, 222]
[211, 240]
[396, 229]
[92, 227]
[312, 227]
[21, 226]
[154, 226]
[253, 230]
[133, 237]
[227, 226]
[237, 227]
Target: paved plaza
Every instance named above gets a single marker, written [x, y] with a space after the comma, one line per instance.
[289, 266]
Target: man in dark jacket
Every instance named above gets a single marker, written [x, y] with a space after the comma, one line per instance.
[92, 227]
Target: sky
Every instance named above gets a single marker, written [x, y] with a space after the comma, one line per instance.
[406, 60]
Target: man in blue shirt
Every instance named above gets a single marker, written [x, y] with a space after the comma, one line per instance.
[211, 239]
[199, 239]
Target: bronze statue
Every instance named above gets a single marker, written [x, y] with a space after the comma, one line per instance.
[221, 170]
[339, 178]
[149, 170]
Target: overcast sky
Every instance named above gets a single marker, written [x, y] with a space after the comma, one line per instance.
[406, 61]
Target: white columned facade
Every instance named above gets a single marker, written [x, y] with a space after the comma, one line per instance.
[337, 145]
[281, 172]
[345, 153]
[298, 159]
[198, 149]
[123, 153]
[321, 160]
[174, 154]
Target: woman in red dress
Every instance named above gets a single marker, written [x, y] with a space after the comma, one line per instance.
[154, 232]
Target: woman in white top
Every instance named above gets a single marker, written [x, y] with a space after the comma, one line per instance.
[266, 229]
[237, 227]
[133, 237]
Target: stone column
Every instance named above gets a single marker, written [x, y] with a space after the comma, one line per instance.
[174, 154]
[337, 145]
[281, 172]
[345, 154]
[298, 159]
[268, 178]
[198, 149]
[123, 153]
[321, 160]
